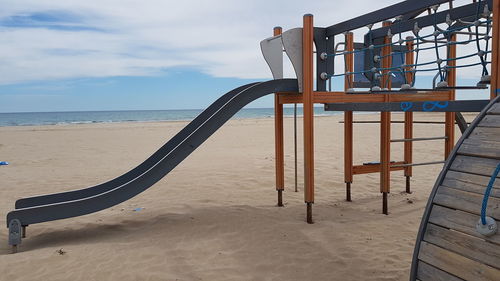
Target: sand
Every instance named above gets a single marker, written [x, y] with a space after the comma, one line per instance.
[214, 217]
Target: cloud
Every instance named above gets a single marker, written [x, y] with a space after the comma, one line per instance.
[61, 39]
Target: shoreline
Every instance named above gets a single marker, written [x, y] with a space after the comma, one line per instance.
[469, 116]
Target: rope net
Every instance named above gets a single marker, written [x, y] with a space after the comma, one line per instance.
[431, 47]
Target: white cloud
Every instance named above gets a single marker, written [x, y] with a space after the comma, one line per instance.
[126, 37]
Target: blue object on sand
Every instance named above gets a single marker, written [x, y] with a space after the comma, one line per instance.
[2, 163]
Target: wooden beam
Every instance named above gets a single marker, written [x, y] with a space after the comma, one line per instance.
[279, 141]
[374, 168]
[385, 125]
[307, 97]
[336, 97]
[495, 58]
[408, 120]
[449, 143]
[348, 116]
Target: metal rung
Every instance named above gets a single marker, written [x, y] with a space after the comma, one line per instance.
[418, 164]
[399, 91]
[478, 86]
[420, 139]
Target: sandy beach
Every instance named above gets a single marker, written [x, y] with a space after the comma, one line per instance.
[215, 216]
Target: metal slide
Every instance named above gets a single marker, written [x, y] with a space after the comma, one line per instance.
[92, 199]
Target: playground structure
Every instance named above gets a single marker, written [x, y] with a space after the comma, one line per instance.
[390, 55]
[456, 240]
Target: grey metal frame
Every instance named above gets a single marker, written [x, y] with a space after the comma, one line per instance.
[402, 8]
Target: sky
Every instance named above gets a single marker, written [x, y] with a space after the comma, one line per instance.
[67, 55]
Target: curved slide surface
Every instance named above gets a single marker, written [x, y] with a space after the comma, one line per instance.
[93, 199]
[448, 246]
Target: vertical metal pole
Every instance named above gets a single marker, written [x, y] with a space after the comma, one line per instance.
[385, 127]
[307, 63]
[495, 57]
[408, 130]
[278, 140]
[295, 143]
[348, 117]
[449, 142]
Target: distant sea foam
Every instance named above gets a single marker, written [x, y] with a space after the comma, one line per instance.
[86, 117]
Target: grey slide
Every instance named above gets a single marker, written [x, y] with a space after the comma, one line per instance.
[93, 199]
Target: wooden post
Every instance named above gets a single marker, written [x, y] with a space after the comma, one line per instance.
[449, 142]
[408, 130]
[307, 94]
[295, 144]
[495, 58]
[278, 140]
[348, 117]
[385, 127]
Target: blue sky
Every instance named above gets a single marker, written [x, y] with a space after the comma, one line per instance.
[59, 55]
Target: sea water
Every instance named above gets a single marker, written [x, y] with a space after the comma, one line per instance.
[83, 117]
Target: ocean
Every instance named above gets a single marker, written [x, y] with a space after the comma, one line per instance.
[84, 117]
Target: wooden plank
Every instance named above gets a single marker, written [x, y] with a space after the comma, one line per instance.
[427, 272]
[336, 97]
[466, 201]
[495, 109]
[459, 221]
[308, 119]
[468, 246]
[374, 168]
[485, 133]
[481, 148]
[490, 121]
[474, 165]
[456, 264]
[470, 183]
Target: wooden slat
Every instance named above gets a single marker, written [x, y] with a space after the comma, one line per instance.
[495, 109]
[374, 168]
[427, 272]
[474, 165]
[485, 133]
[459, 221]
[335, 97]
[468, 246]
[481, 148]
[466, 201]
[490, 121]
[456, 264]
[470, 183]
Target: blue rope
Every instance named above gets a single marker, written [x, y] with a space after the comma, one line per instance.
[487, 194]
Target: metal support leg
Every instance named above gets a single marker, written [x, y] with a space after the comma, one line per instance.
[348, 191]
[15, 233]
[23, 232]
[408, 190]
[13, 249]
[385, 209]
[309, 213]
[280, 198]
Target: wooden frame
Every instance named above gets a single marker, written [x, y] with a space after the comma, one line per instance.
[309, 97]
[308, 102]
[279, 140]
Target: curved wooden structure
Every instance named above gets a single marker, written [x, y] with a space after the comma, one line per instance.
[448, 246]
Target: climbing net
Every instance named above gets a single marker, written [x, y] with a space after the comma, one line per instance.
[434, 46]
